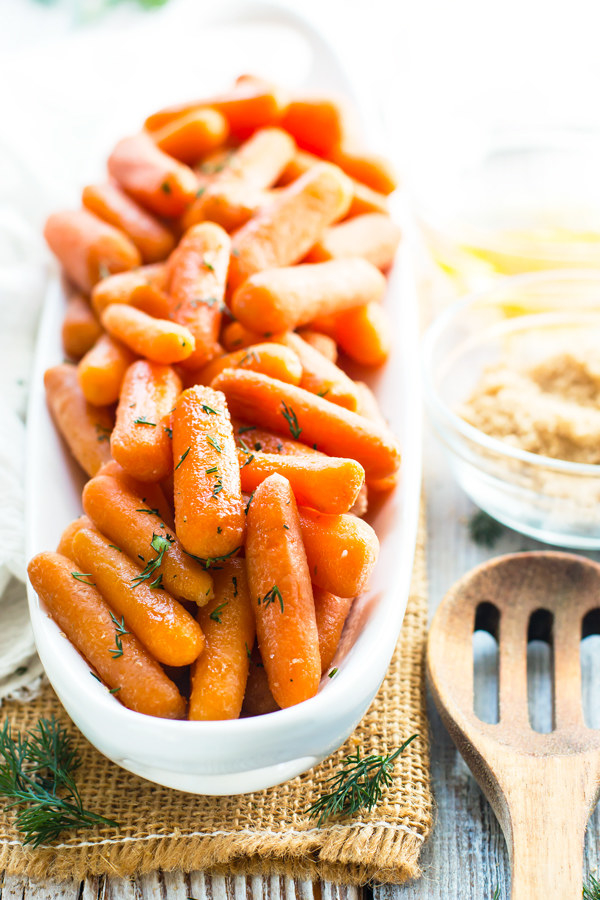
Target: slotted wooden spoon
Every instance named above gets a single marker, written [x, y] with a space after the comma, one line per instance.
[542, 787]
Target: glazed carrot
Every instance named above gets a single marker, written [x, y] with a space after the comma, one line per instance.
[65, 545]
[209, 514]
[364, 199]
[198, 272]
[157, 181]
[84, 617]
[251, 438]
[87, 248]
[272, 359]
[313, 420]
[364, 333]
[152, 495]
[373, 236]
[316, 123]
[228, 203]
[120, 515]
[341, 551]
[85, 428]
[369, 168]
[285, 230]
[218, 680]
[281, 592]
[189, 138]
[80, 329]
[144, 288]
[141, 438]
[111, 204]
[321, 342]
[160, 340]
[258, 699]
[235, 336]
[331, 612]
[326, 483]
[319, 375]
[167, 630]
[281, 299]
[102, 370]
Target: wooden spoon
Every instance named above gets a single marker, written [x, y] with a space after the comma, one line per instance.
[542, 787]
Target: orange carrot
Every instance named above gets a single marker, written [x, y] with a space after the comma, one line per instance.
[369, 168]
[160, 340]
[87, 248]
[281, 592]
[235, 336]
[285, 230]
[85, 428]
[274, 360]
[157, 181]
[81, 329]
[102, 370]
[189, 138]
[153, 496]
[110, 203]
[319, 375]
[281, 299]
[364, 333]
[341, 551]
[65, 545]
[321, 342]
[316, 123]
[310, 419]
[373, 236]
[258, 699]
[122, 516]
[84, 617]
[228, 203]
[331, 612]
[141, 441]
[326, 483]
[163, 625]
[251, 438]
[219, 676]
[198, 272]
[209, 514]
[364, 199]
[144, 288]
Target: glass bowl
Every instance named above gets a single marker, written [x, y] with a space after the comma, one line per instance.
[528, 317]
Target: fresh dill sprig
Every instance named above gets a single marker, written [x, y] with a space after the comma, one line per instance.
[160, 544]
[81, 576]
[215, 613]
[248, 357]
[102, 433]
[142, 420]
[270, 597]
[217, 487]
[36, 776]
[211, 560]
[150, 510]
[484, 530]
[120, 630]
[591, 890]
[183, 456]
[496, 893]
[214, 444]
[209, 409]
[244, 428]
[250, 499]
[358, 786]
[290, 416]
[248, 461]
[168, 432]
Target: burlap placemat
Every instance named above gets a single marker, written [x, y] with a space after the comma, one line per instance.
[264, 832]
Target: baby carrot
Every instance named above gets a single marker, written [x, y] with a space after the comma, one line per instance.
[373, 236]
[272, 359]
[283, 232]
[65, 545]
[258, 699]
[80, 329]
[188, 138]
[153, 497]
[364, 199]
[331, 612]
[364, 333]
[341, 551]
[310, 419]
[316, 123]
[281, 592]
[110, 203]
[85, 428]
[235, 336]
[251, 438]
[218, 680]
[281, 299]
[160, 340]
[321, 342]
[228, 203]
[144, 288]
[369, 168]
[102, 370]
[157, 181]
[141, 439]
[123, 517]
[326, 483]
[88, 248]
[83, 616]
[167, 630]
[209, 513]
[198, 272]
[319, 375]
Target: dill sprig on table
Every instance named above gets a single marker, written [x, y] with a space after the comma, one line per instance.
[591, 890]
[358, 786]
[484, 530]
[36, 774]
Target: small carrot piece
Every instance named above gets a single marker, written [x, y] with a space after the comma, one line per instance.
[219, 676]
[84, 617]
[153, 240]
[198, 273]
[167, 630]
[209, 513]
[316, 123]
[153, 496]
[372, 236]
[159, 340]
[273, 359]
[85, 428]
[364, 333]
[88, 248]
[228, 203]
[144, 288]
[331, 613]
[157, 181]
[102, 370]
[281, 299]
[313, 420]
[252, 438]
[368, 168]
[235, 336]
[80, 329]
[326, 483]
[119, 514]
[65, 545]
[364, 199]
[258, 699]
[319, 375]
[141, 439]
[341, 551]
[283, 232]
[188, 138]
[281, 592]
[321, 342]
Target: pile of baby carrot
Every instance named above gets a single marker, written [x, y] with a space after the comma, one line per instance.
[239, 244]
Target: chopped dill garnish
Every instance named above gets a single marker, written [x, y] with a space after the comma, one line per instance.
[114, 690]
[159, 544]
[248, 460]
[250, 498]
[208, 265]
[270, 597]
[114, 546]
[213, 443]
[244, 428]
[591, 891]
[183, 456]
[217, 486]
[142, 420]
[248, 357]
[169, 432]
[102, 433]
[120, 631]
[150, 511]
[215, 613]
[211, 560]
[212, 470]
[333, 673]
[81, 576]
[290, 416]
[323, 393]
[165, 187]
[209, 409]
[234, 583]
[484, 530]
